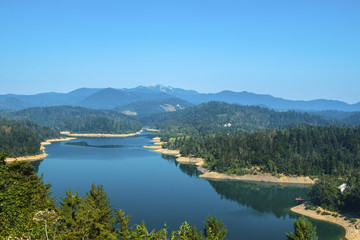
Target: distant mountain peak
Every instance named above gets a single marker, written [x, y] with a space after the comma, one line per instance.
[161, 88]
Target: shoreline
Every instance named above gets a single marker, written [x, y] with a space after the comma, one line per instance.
[38, 156]
[351, 232]
[67, 133]
[199, 162]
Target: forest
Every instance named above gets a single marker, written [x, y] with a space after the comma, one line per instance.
[23, 138]
[307, 150]
[78, 119]
[219, 117]
[326, 193]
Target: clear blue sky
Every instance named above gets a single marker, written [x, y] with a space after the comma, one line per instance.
[292, 49]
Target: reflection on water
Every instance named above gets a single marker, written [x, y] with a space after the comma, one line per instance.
[188, 169]
[85, 144]
[264, 197]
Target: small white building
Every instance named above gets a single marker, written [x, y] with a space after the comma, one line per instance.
[342, 187]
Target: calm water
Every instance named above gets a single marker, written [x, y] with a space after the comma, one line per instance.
[155, 188]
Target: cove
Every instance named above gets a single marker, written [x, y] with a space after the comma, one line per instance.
[155, 188]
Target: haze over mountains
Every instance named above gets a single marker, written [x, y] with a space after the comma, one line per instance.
[167, 98]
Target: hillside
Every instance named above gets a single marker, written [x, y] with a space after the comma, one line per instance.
[78, 119]
[22, 138]
[220, 117]
[154, 106]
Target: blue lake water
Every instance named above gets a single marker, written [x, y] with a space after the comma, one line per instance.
[155, 188]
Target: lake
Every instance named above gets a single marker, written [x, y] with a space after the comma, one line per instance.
[155, 188]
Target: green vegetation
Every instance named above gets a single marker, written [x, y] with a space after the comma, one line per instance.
[22, 138]
[143, 108]
[304, 230]
[307, 150]
[78, 119]
[325, 192]
[214, 118]
[28, 212]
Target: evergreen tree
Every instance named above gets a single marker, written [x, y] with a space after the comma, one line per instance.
[3, 155]
[96, 214]
[304, 230]
[214, 229]
[69, 211]
[22, 195]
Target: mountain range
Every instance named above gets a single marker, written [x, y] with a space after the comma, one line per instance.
[172, 98]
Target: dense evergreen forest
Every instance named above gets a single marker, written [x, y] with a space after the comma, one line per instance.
[28, 212]
[308, 150]
[220, 117]
[326, 193]
[21, 138]
[78, 119]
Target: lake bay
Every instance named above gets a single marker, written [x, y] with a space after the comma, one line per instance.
[155, 188]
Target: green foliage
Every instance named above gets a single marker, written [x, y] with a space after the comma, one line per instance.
[304, 230]
[3, 155]
[79, 119]
[22, 196]
[210, 118]
[21, 138]
[143, 108]
[307, 150]
[214, 229]
[325, 193]
[96, 214]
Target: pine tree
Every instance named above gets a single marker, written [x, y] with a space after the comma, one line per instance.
[214, 229]
[96, 215]
[304, 230]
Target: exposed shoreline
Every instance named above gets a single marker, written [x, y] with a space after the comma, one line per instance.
[38, 156]
[199, 162]
[67, 133]
[351, 232]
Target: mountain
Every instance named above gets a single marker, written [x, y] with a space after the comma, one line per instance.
[110, 98]
[77, 119]
[154, 106]
[220, 117]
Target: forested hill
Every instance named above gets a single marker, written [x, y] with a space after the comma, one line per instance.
[78, 119]
[142, 108]
[307, 150]
[220, 117]
[21, 138]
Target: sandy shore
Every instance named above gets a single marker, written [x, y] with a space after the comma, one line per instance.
[199, 162]
[42, 148]
[151, 130]
[99, 134]
[168, 152]
[260, 177]
[188, 160]
[153, 147]
[351, 232]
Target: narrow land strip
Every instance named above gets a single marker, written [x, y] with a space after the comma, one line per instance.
[67, 133]
[352, 230]
[199, 162]
[42, 149]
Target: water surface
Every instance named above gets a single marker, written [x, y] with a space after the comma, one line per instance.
[155, 188]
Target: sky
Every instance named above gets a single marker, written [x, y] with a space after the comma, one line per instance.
[287, 48]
